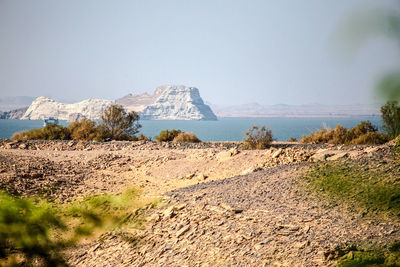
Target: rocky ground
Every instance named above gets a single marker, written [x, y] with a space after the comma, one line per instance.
[222, 206]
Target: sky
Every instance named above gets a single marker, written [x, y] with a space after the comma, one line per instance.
[235, 52]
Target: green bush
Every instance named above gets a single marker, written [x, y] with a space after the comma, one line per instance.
[257, 138]
[167, 135]
[186, 138]
[363, 133]
[49, 132]
[119, 125]
[86, 130]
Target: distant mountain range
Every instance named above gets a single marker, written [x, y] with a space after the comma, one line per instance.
[282, 110]
[15, 102]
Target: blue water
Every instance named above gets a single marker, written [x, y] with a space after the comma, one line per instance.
[225, 129]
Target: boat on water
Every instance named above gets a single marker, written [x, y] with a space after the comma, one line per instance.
[50, 121]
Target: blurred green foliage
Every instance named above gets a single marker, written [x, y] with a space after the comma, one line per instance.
[391, 118]
[34, 232]
[25, 228]
[389, 87]
[367, 23]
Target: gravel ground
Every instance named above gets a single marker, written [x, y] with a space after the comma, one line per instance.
[224, 206]
[259, 219]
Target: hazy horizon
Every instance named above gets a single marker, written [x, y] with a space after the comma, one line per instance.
[235, 52]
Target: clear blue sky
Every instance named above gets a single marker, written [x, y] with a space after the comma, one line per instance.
[235, 52]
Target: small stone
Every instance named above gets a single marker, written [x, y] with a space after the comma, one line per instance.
[252, 169]
[322, 155]
[22, 146]
[169, 212]
[224, 155]
[234, 151]
[190, 176]
[182, 231]
[258, 246]
[337, 156]
[277, 153]
[202, 176]
[154, 218]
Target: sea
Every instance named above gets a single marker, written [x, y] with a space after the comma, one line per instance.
[224, 129]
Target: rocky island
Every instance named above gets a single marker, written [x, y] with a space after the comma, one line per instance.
[169, 102]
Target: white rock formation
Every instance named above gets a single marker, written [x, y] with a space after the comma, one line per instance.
[168, 102]
[172, 102]
[44, 107]
[139, 102]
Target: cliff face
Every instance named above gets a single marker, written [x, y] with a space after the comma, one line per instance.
[44, 107]
[173, 102]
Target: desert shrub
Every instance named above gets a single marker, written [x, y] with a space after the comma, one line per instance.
[86, 130]
[370, 138]
[167, 135]
[257, 138]
[318, 137]
[118, 124]
[292, 139]
[391, 118]
[186, 138]
[49, 132]
[363, 133]
[339, 135]
[18, 135]
[142, 137]
[55, 132]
